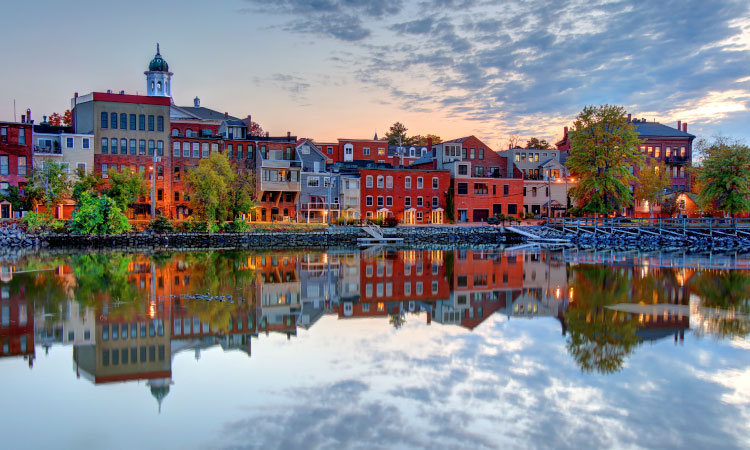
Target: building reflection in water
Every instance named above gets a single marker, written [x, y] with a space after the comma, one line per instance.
[128, 316]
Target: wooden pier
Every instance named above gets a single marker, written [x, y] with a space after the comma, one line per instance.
[683, 227]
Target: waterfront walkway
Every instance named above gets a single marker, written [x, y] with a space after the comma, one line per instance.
[679, 260]
[684, 227]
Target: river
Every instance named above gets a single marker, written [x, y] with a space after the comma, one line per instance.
[490, 348]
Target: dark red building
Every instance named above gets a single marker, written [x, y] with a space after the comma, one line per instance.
[15, 153]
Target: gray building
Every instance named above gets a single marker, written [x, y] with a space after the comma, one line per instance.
[319, 187]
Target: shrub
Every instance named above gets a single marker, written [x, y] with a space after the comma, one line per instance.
[237, 226]
[390, 222]
[161, 225]
[342, 221]
[37, 222]
[192, 225]
[98, 215]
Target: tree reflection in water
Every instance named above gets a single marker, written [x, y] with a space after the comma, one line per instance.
[728, 291]
[600, 339]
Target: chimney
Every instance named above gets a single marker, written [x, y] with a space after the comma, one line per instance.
[684, 127]
[28, 115]
[109, 91]
[565, 129]
[122, 92]
[226, 115]
[429, 145]
[267, 134]
[23, 118]
[630, 117]
[197, 102]
[679, 125]
[288, 135]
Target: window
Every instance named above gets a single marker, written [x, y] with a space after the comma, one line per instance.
[463, 153]
[186, 149]
[160, 123]
[86, 143]
[381, 151]
[481, 153]
[160, 172]
[505, 189]
[176, 175]
[480, 189]
[132, 121]
[407, 182]
[313, 181]
[104, 171]
[420, 183]
[407, 202]
[434, 202]
[389, 182]
[4, 165]
[22, 166]
[368, 181]
[103, 121]
[142, 122]
[160, 194]
[105, 146]
[142, 147]
[380, 181]
[389, 201]
[69, 142]
[204, 150]
[657, 151]
[239, 151]
[150, 123]
[366, 151]
[368, 200]
[463, 169]
[668, 152]
[435, 182]
[123, 121]
[123, 146]
[471, 153]
[113, 146]
[380, 201]
[113, 120]
[512, 209]
[533, 192]
[176, 196]
[420, 202]
[196, 150]
[463, 188]
[330, 150]
[478, 171]
[175, 149]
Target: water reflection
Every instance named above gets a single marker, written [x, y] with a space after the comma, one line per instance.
[127, 316]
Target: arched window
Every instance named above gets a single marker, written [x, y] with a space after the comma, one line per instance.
[175, 132]
[188, 133]
[152, 85]
[158, 86]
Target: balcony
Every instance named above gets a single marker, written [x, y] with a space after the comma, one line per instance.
[280, 163]
[676, 160]
[320, 206]
[286, 186]
[48, 150]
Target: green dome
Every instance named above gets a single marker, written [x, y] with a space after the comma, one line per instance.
[158, 64]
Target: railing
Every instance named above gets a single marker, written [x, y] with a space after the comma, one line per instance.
[676, 159]
[48, 150]
[681, 226]
[267, 185]
[319, 205]
[280, 163]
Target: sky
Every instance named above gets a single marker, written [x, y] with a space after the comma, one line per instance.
[328, 69]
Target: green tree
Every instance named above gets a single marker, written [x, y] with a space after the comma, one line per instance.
[449, 204]
[397, 130]
[98, 215]
[724, 175]
[125, 188]
[538, 143]
[210, 186]
[419, 140]
[14, 197]
[652, 180]
[91, 182]
[243, 193]
[603, 148]
[669, 206]
[49, 185]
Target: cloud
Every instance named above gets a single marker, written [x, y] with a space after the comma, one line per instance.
[533, 65]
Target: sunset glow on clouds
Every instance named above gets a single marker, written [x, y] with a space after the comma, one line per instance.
[333, 68]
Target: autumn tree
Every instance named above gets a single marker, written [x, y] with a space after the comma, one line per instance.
[397, 130]
[255, 129]
[652, 180]
[67, 118]
[538, 143]
[724, 175]
[604, 146]
[58, 120]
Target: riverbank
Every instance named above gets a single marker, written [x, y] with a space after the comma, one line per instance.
[330, 237]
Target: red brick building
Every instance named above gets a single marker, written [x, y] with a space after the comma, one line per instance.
[359, 150]
[413, 196]
[15, 153]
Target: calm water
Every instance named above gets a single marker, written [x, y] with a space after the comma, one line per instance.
[380, 349]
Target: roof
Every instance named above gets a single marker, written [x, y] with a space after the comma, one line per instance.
[456, 141]
[52, 129]
[424, 159]
[656, 129]
[207, 114]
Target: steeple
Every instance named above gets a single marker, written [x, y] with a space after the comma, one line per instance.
[376, 135]
[158, 76]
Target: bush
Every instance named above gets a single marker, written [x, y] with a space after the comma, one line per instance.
[390, 222]
[237, 226]
[98, 215]
[529, 215]
[191, 225]
[42, 223]
[161, 225]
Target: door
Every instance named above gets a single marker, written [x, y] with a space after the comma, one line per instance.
[481, 215]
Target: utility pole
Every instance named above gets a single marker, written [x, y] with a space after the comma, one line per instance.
[154, 160]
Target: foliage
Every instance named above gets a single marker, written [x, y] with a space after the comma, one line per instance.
[255, 129]
[98, 215]
[729, 291]
[724, 175]
[652, 180]
[161, 224]
[103, 276]
[91, 182]
[237, 226]
[125, 188]
[397, 130]
[48, 185]
[421, 141]
[42, 223]
[14, 197]
[604, 145]
[669, 206]
[210, 186]
[450, 204]
[538, 143]
[193, 225]
[57, 120]
[243, 193]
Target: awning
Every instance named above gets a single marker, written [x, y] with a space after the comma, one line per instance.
[383, 210]
[411, 210]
